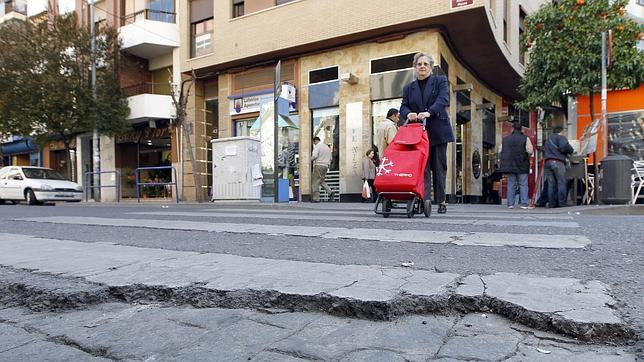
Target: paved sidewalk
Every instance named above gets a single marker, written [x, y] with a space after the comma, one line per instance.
[564, 305]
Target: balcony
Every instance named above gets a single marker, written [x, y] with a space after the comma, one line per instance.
[149, 33]
[10, 10]
[146, 104]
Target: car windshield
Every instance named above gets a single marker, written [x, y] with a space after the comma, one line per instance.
[42, 174]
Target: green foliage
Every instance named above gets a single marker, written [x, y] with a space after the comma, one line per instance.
[45, 79]
[564, 43]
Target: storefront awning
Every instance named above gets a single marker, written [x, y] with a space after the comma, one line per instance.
[25, 145]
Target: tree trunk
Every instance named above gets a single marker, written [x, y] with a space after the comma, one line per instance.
[68, 166]
[193, 162]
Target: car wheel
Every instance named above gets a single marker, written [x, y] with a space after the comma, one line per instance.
[30, 197]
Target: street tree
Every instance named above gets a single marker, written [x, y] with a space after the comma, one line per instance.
[180, 95]
[564, 42]
[45, 80]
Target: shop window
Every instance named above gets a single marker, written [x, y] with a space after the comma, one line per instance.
[489, 125]
[238, 8]
[243, 126]
[625, 134]
[398, 62]
[519, 115]
[323, 75]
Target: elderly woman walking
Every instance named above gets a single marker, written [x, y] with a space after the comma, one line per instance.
[426, 98]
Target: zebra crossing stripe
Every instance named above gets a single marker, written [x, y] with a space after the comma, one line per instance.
[372, 234]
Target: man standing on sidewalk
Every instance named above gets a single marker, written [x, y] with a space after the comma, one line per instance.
[321, 158]
[387, 130]
[556, 149]
[515, 163]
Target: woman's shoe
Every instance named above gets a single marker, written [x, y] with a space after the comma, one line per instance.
[442, 209]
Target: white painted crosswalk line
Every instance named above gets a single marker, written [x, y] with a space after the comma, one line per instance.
[377, 234]
[295, 215]
[369, 212]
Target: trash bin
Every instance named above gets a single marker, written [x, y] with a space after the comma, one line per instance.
[615, 186]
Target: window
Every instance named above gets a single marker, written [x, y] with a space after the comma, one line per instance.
[280, 2]
[161, 10]
[202, 37]
[323, 75]
[522, 16]
[201, 27]
[238, 8]
[506, 19]
[398, 62]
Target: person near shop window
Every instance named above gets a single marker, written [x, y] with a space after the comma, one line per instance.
[556, 150]
[516, 150]
[321, 158]
[426, 98]
[369, 173]
[387, 130]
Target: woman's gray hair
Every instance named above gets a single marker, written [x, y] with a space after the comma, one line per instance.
[420, 55]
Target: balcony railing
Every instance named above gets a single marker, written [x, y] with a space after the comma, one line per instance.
[150, 14]
[147, 88]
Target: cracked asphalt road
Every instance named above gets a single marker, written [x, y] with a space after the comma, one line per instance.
[615, 257]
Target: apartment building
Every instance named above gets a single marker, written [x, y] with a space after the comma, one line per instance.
[346, 63]
[149, 33]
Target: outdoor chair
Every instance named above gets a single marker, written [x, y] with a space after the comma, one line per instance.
[637, 180]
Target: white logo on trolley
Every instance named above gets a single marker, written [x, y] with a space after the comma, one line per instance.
[403, 175]
[384, 163]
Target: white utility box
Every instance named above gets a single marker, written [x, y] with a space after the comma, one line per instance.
[236, 169]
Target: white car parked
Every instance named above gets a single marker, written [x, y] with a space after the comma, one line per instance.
[36, 185]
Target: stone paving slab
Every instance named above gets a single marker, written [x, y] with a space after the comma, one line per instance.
[413, 236]
[581, 309]
[151, 332]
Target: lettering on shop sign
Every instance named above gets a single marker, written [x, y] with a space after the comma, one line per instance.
[143, 134]
[459, 3]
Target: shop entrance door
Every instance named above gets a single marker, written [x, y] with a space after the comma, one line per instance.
[326, 126]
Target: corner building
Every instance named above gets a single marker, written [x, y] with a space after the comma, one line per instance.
[346, 63]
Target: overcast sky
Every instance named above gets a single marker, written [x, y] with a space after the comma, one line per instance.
[38, 6]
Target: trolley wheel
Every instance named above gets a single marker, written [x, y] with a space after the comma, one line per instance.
[427, 208]
[386, 208]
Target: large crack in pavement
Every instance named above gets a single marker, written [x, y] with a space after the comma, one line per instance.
[45, 292]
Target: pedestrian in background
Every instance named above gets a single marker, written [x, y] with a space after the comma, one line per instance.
[369, 173]
[387, 130]
[426, 98]
[556, 150]
[516, 150]
[321, 158]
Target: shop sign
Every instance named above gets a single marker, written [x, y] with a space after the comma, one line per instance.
[144, 134]
[459, 3]
[253, 103]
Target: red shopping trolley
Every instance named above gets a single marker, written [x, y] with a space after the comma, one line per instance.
[400, 177]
